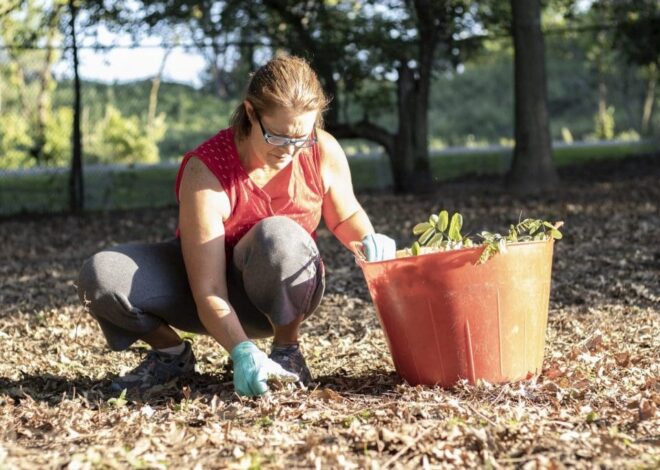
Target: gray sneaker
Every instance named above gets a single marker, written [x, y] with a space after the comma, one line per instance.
[156, 369]
[292, 360]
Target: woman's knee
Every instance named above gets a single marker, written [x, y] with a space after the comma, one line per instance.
[93, 278]
[104, 285]
[88, 285]
[281, 269]
[275, 240]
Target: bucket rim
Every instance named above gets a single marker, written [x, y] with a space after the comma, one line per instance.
[361, 260]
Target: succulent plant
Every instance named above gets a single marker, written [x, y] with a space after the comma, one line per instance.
[440, 233]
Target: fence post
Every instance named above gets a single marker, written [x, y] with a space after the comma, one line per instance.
[76, 188]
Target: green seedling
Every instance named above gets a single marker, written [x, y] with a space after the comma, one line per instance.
[119, 401]
[440, 233]
[524, 231]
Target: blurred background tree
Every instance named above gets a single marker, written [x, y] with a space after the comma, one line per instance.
[407, 77]
[28, 119]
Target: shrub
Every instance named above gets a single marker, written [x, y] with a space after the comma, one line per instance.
[15, 142]
[125, 139]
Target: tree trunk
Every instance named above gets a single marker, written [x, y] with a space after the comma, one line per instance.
[76, 188]
[422, 179]
[43, 105]
[649, 101]
[402, 161]
[155, 86]
[604, 125]
[532, 170]
[408, 148]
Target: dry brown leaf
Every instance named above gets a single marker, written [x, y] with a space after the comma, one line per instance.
[553, 372]
[54, 365]
[595, 342]
[622, 359]
[647, 409]
[326, 394]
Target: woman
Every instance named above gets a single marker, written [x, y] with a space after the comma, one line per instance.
[244, 264]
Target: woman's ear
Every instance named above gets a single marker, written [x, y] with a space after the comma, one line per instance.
[249, 110]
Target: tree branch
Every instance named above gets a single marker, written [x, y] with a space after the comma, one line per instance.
[363, 130]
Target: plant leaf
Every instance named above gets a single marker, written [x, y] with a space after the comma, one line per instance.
[486, 254]
[426, 236]
[415, 248]
[455, 227]
[421, 228]
[435, 239]
[556, 234]
[443, 221]
[513, 235]
[534, 226]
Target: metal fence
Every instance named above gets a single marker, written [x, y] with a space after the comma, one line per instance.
[134, 133]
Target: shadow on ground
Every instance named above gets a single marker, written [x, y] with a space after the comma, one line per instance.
[52, 389]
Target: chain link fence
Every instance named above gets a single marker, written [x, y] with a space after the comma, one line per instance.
[134, 133]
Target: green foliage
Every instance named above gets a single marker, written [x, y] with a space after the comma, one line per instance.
[121, 139]
[15, 141]
[57, 145]
[636, 34]
[604, 124]
[476, 102]
[26, 81]
[526, 230]
[192, 116]
[469, 105]
[440, 233]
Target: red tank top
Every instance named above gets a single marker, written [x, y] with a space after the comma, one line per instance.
[249, 203]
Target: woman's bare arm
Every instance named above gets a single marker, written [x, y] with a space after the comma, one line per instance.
[203, 207]
[342, 213]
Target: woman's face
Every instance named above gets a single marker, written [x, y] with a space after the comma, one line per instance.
[279, 122]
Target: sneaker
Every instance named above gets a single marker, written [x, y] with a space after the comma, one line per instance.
[292, 360]
[157, 368]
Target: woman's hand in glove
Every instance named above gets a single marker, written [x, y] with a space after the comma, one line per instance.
[378, 247]
[253, 369]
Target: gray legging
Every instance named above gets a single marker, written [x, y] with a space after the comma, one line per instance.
[274, 276]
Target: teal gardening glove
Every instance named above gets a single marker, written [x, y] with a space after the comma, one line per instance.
[378, 247]
[253, 369]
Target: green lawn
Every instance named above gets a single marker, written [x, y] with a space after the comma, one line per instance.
[130, 188]
[376, 173]
[153, 187]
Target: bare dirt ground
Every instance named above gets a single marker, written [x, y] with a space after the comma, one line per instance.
[595, 404]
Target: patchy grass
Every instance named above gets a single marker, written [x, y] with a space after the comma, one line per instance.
[153, 186]
[594, 405]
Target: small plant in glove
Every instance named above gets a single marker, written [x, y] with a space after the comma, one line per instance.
[440, 233]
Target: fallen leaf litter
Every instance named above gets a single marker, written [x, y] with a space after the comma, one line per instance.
[595, 404]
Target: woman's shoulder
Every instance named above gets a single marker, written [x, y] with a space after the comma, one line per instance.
[207, 166]
[196, 177]
[217, 156]
[199, 175]
[329, 149]
[333, 162]
[220, 143]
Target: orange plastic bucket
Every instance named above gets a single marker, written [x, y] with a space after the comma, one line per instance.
[446, 318]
